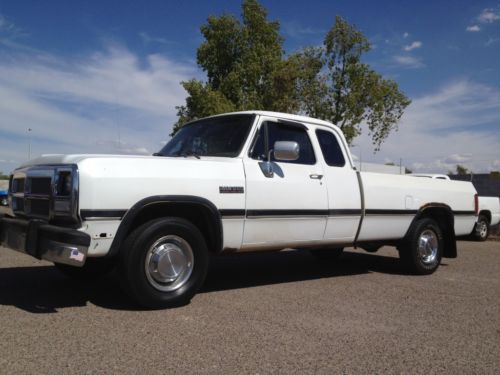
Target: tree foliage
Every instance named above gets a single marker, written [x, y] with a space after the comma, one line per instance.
[461, 170]
[247, 68]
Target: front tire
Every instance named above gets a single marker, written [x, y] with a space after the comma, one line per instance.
[422, 251]
[164, 263]
[481, 229]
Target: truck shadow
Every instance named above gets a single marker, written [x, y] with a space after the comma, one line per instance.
[256, 269]
[44, 290]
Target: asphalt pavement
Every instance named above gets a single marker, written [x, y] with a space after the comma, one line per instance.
[262, 313]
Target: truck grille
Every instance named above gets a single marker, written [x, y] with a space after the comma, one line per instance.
[36, 193]
[38, 207]
[40, 185]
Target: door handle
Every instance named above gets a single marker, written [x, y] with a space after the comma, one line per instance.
[316, 176]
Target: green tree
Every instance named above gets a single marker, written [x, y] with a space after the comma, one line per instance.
[244, 65]
[247, 69]
[348, 92]
[461, 170]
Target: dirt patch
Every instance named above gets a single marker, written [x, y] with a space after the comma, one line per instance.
[495, 233]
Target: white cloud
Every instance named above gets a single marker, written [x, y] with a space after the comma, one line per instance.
[108, 102]
[406, 35]
[298, 31]
[455, 125]
[458, 158]
[489, 15]
[6, 26]
[491, 41]
[147, 39]
[473, 28]
[416, 44]
[10, 33]
[410, 62]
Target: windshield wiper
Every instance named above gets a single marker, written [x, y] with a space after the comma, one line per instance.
[158, 154]
[187, 153]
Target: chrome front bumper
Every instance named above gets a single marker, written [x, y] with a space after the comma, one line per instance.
[44, 241]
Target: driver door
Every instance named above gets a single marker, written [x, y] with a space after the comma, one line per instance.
[290, 207]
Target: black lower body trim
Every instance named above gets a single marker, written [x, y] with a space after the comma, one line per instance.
[102, 214]
[389, 212]
[232, 213]
[464, 213]
[279, 213]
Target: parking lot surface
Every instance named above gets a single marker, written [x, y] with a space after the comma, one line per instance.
[262, 313]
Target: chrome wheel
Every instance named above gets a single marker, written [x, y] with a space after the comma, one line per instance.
[428, 246]
[482, 229]
[169, 263]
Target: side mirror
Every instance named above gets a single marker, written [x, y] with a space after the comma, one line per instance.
[286, 150]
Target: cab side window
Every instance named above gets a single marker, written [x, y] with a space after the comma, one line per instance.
[330, 148]
[284, 132]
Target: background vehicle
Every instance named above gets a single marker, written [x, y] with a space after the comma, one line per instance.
[4, 195]
[436, 176]
[489, 215]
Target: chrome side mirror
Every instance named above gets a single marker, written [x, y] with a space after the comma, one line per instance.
[286, 150]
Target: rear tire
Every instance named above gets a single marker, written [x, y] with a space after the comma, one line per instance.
[94, 268]
[163, 263]
[481, 229]
[422, 251]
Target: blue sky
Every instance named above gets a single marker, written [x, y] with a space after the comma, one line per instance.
[103, 76]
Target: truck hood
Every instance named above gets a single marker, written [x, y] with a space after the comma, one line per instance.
[57, 159]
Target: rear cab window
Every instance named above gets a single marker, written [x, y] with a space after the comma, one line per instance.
[330, 147]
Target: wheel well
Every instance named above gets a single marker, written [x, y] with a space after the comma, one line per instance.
[196, 214]
[443, 216]
[486, 214]
[200, 212]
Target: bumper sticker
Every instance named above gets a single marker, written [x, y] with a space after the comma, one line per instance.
[76, 255]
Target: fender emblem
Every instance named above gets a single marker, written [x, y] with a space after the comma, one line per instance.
[231, 189]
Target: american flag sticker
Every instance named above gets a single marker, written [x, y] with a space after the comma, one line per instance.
[76, 255]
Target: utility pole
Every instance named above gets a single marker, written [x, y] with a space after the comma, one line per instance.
[29, 143]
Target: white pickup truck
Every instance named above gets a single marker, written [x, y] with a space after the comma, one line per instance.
[489, 215]
[246, 181]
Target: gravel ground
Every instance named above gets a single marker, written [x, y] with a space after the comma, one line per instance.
[262, 313]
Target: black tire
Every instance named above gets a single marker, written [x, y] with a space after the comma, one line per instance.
[481, 229]
[327, 254]
[159, 241]
[94, 268]
[422, 251]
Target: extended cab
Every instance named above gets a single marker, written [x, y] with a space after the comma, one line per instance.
[247, 181]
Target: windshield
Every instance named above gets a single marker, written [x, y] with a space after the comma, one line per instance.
[216, 136]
